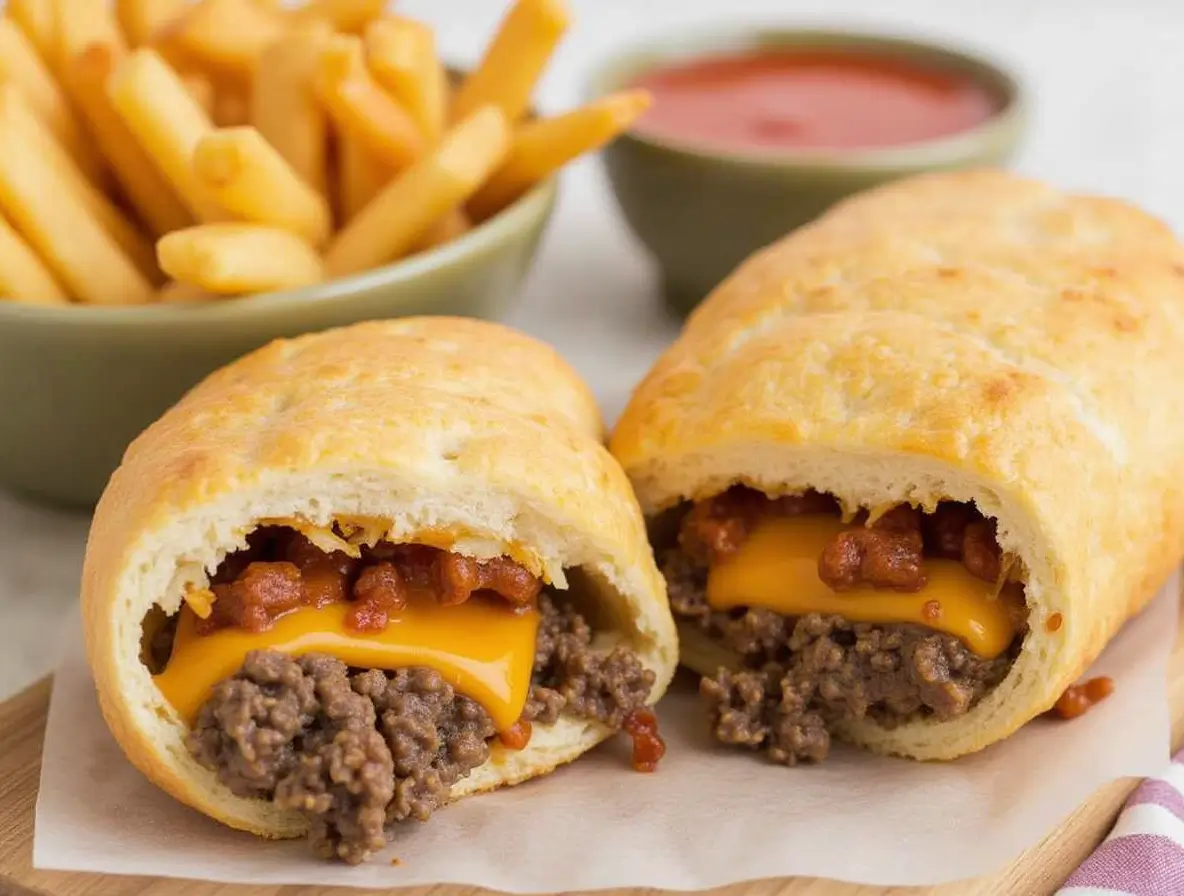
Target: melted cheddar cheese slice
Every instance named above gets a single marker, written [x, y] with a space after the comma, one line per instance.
[777, 569]
[483, 648]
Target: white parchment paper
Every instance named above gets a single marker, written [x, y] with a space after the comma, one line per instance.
[710, 816]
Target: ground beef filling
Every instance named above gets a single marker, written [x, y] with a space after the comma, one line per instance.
[281, 570]
[358, 751]
[800, 677]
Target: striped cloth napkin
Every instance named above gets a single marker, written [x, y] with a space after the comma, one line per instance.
[1144, 854]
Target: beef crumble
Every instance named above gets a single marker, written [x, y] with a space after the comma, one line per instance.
[800, 677]
[281, 570]
[889, 553]
[571, 676]
[359, 751]
[352, 751]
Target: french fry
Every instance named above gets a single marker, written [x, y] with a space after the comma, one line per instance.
[62, 230]
[408, 206]
[20, 65]
[361, 108]
[166, 41]
[360, 176]
[82, 23]
[455, 223]
[514, 60]
[36, 18]
[238, 128]
[284, 106]
[176, 291]
[142, 19]
[239, 258]
[247, 176]
[18, 120]
[229, 35]
[346, 16]
[153, 198]
[540, 148]
[166, 121]
[402, 56]
[23, 277]
[232, 107]
[201, 89]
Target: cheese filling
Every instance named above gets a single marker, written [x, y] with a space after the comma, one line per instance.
[776, 568]
[483, 647]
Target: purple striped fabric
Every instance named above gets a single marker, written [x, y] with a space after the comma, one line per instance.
[1144, 854]
[1160, 793]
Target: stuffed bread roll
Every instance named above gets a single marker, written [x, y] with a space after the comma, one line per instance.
[909, 469]
[355, 575]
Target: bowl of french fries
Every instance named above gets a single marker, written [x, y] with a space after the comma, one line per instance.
[182, 182]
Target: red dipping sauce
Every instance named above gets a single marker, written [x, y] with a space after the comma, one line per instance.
[810, 100]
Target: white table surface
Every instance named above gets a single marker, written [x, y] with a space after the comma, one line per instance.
[1108, 116]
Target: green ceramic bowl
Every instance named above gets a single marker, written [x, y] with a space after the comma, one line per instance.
[701, 211]
[78, 384]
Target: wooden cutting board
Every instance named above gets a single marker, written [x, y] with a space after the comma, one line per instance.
[22, 727]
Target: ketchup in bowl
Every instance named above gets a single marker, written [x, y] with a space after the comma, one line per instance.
[811, 101]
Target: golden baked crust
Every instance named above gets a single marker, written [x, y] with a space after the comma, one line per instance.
[974, 336]
[450, 428]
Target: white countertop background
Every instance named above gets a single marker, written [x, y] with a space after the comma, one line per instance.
[1106, 83]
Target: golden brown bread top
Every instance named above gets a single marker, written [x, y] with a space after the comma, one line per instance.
[972, 335]
[979, 317]
[450, 396]
[1025, 291]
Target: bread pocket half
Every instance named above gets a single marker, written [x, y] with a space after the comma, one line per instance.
[911, 468]
[355, 575]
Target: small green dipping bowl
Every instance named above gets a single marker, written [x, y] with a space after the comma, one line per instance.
[701, 211]
[78, 383]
